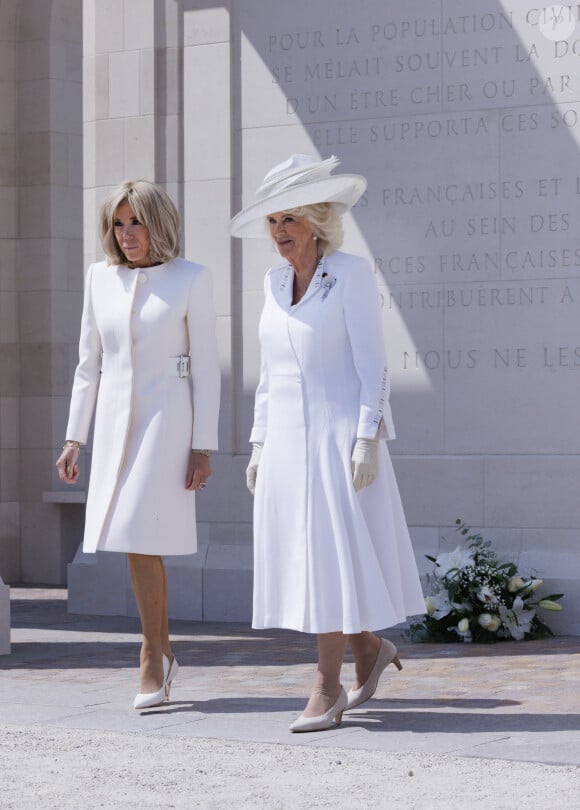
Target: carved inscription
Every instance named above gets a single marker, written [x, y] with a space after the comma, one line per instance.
[392, 64]
[467, 127]
[496, 357]
[540, 212]
[488, 301]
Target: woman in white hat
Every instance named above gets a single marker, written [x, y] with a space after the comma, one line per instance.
[148, 364]
[332, 551]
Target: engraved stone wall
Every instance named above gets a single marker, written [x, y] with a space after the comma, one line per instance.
[465, 117]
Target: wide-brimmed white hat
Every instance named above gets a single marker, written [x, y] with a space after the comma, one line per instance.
[300, 180]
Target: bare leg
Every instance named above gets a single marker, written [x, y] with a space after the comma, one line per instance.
[165, 643]
[365, 648]
[150, 589]
[326, 687]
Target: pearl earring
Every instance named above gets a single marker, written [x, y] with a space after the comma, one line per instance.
[315, 238]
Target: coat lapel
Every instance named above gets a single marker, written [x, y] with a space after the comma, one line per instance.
[314, 285]
[282, 285]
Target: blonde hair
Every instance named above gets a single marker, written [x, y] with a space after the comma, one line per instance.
[153, 208]
[326, 224]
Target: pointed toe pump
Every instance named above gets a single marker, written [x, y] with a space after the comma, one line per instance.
[387, 655]
[146, 700]
[330, 719]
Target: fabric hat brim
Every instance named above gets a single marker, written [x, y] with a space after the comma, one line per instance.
[342, 189]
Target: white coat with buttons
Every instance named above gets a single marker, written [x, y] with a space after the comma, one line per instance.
[147, 419]
[327, 558]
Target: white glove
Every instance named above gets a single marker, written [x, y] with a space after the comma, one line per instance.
[364, 463]
[252, 468]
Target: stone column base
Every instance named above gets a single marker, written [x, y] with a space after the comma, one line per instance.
[213, 585]
[4, 618]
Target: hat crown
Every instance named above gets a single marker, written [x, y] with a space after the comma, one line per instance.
[292, 172]
[299, 181]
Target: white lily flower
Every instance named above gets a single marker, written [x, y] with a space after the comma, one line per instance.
[438, 606]
[518, 620]
[458, 558]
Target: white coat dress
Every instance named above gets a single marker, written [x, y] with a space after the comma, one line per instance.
[135, 324]
[326, 558]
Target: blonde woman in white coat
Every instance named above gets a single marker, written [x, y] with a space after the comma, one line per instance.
[148, 360]
[332, 553]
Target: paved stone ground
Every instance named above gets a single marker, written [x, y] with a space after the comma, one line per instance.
[509, 701]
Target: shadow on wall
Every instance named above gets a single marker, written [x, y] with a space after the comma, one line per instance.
[463, 118]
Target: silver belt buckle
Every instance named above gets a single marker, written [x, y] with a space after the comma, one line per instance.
[183, 365]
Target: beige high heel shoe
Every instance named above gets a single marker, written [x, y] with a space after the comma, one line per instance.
[387, 655]
[330, 719]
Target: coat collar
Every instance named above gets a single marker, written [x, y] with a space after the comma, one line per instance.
[284, 283]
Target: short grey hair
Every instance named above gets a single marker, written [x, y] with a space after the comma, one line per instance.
[153, 208]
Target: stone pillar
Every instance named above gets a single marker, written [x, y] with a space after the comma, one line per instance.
[9, 370]
[49, 256]
[40, 241]
[209, 149]
[157, 105]
[4, 618]
[119, 85]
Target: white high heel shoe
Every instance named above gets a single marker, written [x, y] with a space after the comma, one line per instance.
[387, 655]
[173, 670]
[146, 700]
[330, 719]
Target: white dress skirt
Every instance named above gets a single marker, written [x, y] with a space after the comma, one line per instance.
[326, 558]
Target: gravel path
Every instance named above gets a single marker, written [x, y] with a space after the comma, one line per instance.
[69, 770]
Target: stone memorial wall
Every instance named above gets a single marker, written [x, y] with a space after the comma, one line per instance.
[465, 118]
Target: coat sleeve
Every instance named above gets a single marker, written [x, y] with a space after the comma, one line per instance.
[260, 425]
[363, 323]
[204, 362]
[87, 373]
